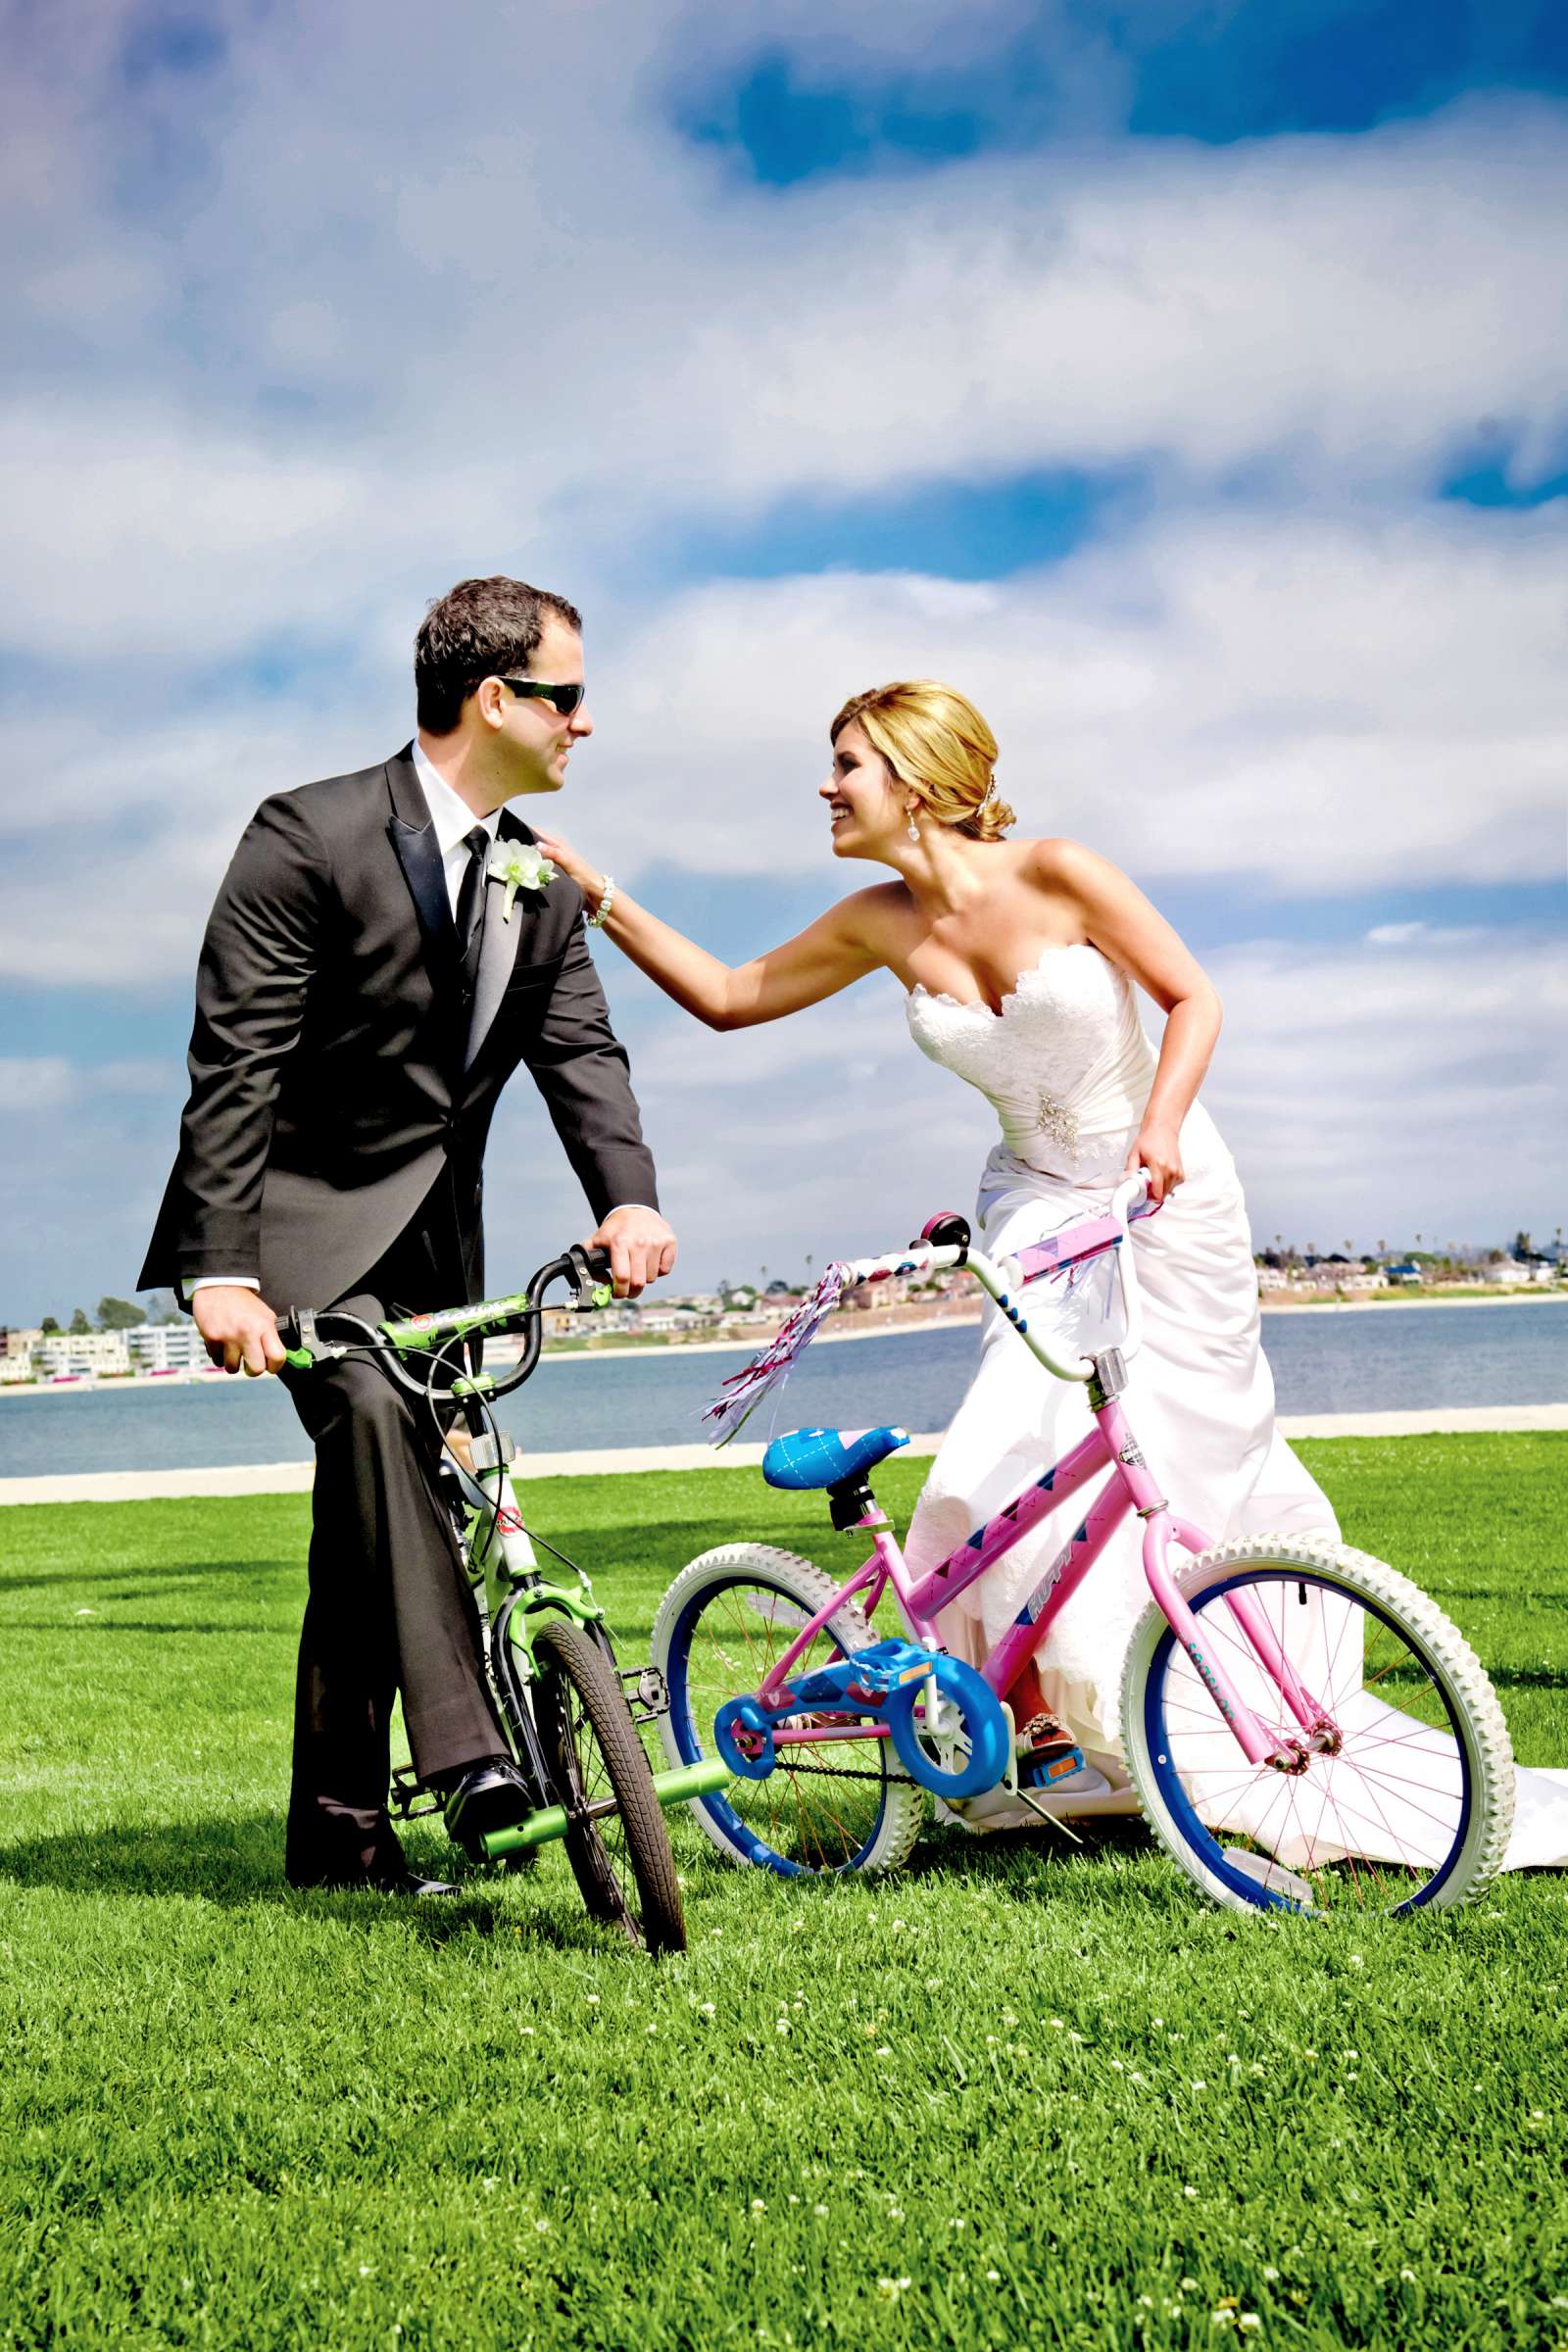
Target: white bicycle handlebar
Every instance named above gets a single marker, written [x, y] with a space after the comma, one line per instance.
[1004, 1281]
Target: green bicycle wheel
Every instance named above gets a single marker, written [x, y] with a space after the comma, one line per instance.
[618, 1842]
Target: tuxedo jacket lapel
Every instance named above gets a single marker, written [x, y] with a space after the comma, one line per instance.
[412, 833]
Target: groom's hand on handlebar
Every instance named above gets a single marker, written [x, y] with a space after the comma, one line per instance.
[239, 1328]
[640, 1247]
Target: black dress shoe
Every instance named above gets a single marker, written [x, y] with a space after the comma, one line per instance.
[381, 1881]
[489, 1796]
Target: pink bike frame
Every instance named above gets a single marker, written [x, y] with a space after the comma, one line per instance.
[1131, 1487]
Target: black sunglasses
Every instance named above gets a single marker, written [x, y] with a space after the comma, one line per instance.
[566, 699]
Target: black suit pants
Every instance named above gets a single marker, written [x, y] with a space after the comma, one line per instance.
[389, 1607]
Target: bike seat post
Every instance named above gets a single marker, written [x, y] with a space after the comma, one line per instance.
[853, 1506]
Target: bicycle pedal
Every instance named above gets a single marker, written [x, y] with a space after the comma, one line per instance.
[409, 1797]
[646, 1693]
[1047, 1766]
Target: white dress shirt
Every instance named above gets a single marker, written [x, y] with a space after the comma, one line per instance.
[454, 820]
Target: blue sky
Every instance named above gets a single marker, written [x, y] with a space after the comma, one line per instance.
[1185, 383]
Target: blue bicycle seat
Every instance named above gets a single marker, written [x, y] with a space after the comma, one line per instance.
[825, 1458]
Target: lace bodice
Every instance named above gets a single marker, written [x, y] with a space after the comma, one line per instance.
[1066, 1061]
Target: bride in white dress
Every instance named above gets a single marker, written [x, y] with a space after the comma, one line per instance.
[1019, 960]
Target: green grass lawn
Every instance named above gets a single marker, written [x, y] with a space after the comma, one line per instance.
[1026, 2094]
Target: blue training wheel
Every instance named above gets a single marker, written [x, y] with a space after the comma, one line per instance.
[984, 1726]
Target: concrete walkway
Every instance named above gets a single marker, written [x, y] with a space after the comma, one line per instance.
[294, 1478]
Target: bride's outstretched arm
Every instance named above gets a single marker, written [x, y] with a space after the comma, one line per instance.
[1122, 924]
[827, 955]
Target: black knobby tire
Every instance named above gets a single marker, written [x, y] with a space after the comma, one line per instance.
[624, 1869]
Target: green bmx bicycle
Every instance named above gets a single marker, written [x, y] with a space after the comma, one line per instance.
[571, 1713]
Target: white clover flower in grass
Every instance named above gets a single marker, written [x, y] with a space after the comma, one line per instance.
[891, 2288]
[757, 2205]
[820, 2210]
[1247, 2320]
[520, 865]
[994, 2277]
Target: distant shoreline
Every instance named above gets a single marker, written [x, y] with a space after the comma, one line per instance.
[870, 1329]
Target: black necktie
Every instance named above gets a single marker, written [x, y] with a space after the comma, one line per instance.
[470, 904]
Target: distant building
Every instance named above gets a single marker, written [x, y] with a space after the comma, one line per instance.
[167, 1347]
[94, 1352]
[1405, 1271]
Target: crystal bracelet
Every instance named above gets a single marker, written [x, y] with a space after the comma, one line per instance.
[606, 899]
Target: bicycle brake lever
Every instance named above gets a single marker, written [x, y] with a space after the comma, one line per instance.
[590, 1276]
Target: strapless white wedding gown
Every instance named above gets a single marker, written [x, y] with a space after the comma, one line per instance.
[1068, 1070]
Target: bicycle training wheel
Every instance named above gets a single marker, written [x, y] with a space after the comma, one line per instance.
[828, 1805]
[620, 1853]
[1413, 1808]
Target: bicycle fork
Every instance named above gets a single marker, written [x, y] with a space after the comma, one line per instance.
[1321, 1735]
[507, 1571]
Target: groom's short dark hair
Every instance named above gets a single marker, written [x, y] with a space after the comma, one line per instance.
[479, 629]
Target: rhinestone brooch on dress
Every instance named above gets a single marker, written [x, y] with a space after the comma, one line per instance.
[1055, 1119]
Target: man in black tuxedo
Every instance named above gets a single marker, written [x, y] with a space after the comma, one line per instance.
[361, 1002]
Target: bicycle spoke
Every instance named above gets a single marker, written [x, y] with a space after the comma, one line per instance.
[1367, 1825]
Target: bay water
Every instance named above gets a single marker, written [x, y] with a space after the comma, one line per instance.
[1324, 1361]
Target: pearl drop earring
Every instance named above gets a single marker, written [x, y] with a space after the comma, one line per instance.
[915, 830]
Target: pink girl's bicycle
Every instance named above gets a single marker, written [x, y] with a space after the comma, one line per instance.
[1304, 1729]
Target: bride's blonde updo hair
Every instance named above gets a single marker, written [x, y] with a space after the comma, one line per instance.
[938, 746]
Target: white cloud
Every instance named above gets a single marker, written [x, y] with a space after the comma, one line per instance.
[425, 327]
[295, 349]
[1308, 704]
[1321, 704]
[34, 1082]
[1380, 1095]
[1362, 1096]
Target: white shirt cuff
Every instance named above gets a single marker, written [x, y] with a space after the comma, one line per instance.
[227, 1282]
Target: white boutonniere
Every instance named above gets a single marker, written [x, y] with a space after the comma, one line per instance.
[520, 866]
